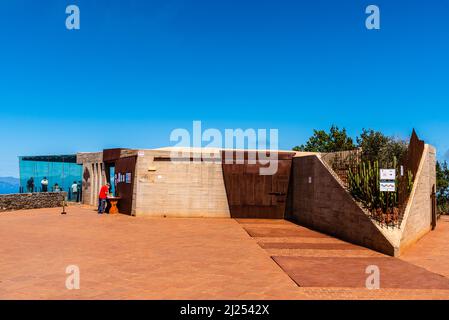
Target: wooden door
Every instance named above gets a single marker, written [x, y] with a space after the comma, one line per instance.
[124, 179]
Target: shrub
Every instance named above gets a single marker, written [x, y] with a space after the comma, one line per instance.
[442, 170]
[376, 146]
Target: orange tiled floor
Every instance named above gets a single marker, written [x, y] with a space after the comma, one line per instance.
[127, 257]
[432, 251]
[122, 257]
[321, 264]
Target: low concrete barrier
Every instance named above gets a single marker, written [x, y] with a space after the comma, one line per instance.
[20, 201]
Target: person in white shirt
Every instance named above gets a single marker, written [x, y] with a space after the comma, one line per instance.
[75, 190]
[44, 184]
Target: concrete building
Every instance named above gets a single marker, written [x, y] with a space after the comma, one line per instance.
[171, 182]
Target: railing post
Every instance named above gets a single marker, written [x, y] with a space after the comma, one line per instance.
[433, 199]
[63, 204]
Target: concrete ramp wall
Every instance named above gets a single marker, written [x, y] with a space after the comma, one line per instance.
[418, 215]
[318, 201]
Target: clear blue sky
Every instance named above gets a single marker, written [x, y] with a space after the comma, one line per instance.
[138, 69]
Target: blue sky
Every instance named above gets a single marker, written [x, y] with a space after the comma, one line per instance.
[138, 69]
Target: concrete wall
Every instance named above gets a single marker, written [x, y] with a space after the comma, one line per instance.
[316, 197]
[93, 176]
[183, 189]
[417, 218]
[317, 200]
[9, 202]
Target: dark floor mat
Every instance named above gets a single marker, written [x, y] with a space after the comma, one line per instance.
[263, 221]
[302, 245]
[283, 232]
[350, 273]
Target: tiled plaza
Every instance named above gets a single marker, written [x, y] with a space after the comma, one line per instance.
[123, 257]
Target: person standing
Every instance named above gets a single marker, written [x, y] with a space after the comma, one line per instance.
[80, 190]
[74, 188]
[102, 198]
[30, 185]
[44, 184]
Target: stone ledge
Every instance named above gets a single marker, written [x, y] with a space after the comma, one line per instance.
[21, 201]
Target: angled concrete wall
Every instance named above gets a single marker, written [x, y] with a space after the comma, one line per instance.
[417, 218]
[317, 200]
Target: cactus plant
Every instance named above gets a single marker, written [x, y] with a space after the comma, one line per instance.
[364, 186]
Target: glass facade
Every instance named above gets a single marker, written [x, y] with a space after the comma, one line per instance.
[60, 171]
[112, 180]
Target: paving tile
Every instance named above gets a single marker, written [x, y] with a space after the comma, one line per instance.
[257, 231]
[330, 264]
[431, 251]
[351, 272]
[123, 257]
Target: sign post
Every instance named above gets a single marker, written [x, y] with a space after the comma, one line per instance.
[387, 180]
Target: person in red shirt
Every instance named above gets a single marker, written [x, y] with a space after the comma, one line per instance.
[102, 198]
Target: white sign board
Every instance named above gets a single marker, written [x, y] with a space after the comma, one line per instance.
[387, 186]
[387, 174]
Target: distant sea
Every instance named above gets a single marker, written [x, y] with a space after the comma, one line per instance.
[9, 185]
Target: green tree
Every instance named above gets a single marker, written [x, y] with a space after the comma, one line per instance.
[371, 142]
[332, 141]
[376, 146]
[442, 176]
[442, 170]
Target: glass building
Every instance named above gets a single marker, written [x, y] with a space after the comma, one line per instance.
[60, 171]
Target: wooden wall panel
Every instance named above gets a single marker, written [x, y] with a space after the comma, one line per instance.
[251, 195]
[125, 188]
